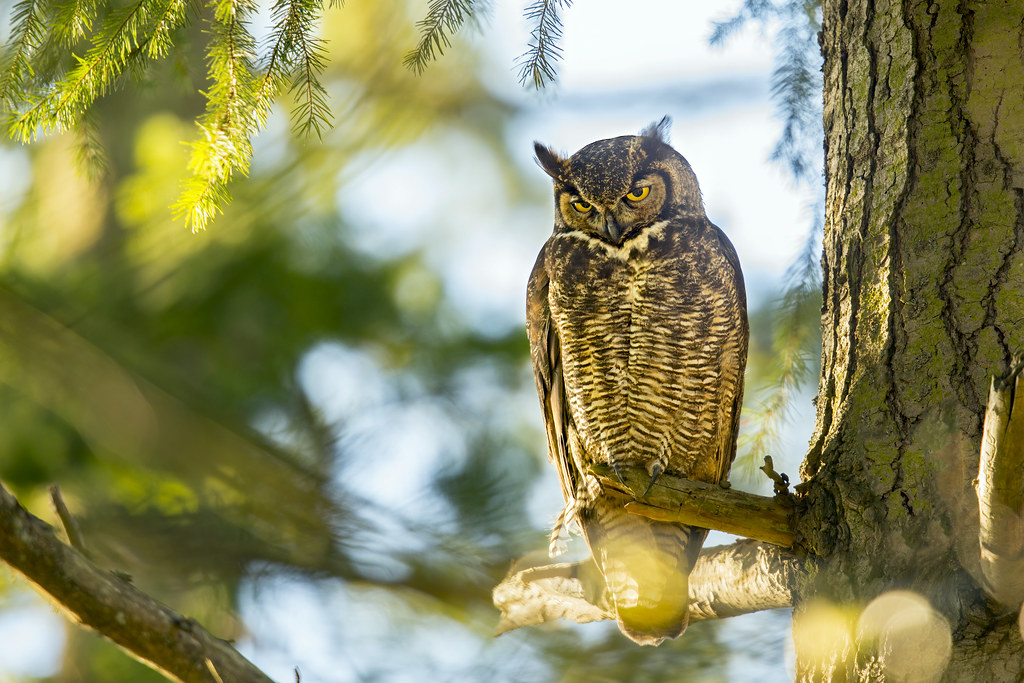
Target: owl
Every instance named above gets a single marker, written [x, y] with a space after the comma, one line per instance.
[636, 313]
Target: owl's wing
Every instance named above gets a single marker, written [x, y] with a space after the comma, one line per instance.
[727, 442]
[546, 353]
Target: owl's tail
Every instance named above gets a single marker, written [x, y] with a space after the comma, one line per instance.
[646, 565]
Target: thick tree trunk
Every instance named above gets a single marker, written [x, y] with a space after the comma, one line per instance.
[923, 301]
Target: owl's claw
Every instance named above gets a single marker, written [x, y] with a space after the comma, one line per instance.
[618, 473]
[656, 471]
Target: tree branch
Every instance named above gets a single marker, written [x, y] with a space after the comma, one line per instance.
[674, 499]
[74, 533]
[1001, 491]
[747, 576]
[744, 577]
[176, 646]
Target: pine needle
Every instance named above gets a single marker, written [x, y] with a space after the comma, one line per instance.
[117, 43]
[796, 338]
[72, 21]
[537, 64]
[27, 35]
[90, 156]
[312, 113]
[234, 113]
[297, 55]
[796, 81]
[444, 19]
[751, 10]
[796, 76]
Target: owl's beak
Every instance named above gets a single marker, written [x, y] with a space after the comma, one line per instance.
[611, 228]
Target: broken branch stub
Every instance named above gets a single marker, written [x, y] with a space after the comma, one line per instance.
[1001, 491]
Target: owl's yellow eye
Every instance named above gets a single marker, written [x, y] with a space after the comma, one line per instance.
[582, 206]
[638, 193]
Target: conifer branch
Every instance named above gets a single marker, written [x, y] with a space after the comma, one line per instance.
[72, 21]
[796, 77]
[796, 81]
[234, 113]
[119, 41]
[297, 49]
[26, 36]
[697, 503]
[537, 64]
[90, 156]
[794, 335]
[312, 114]
[747, 576]
[751, 10]
[444, 19]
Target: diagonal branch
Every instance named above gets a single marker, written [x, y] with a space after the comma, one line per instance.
[176, 646]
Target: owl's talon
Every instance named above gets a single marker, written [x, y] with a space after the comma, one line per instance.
[656, 471]
[618, 473]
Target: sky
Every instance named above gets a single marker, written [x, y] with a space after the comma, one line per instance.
[625, 65]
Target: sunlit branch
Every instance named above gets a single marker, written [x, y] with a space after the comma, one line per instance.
[1001, 491]
[174, 645]
[748, 576]
[674, 499]
[727, 581]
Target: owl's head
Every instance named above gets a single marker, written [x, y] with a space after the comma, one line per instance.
[617, 187]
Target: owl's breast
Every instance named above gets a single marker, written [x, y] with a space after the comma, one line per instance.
[650, 339]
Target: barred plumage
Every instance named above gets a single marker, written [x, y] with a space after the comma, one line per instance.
[636, 313]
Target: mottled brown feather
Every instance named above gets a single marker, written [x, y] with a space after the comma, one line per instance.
[639, 344]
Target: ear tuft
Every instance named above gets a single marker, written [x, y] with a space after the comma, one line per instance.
[549, 160]
[658, 129]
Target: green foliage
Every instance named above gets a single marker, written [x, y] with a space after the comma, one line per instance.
[297, 51]
[126, 36]
[796, 89]
[237, 107]
[104, 43]
[786, 358]
[41, 95]
[537, 66]
[72, 21]
[27, 35]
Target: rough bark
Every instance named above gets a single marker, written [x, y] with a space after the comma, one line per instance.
[923, 271]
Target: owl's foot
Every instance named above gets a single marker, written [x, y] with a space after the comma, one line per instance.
[656, 471]
[558, 543]
[618, 473]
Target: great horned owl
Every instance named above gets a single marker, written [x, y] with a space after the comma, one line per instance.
[636, 313]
